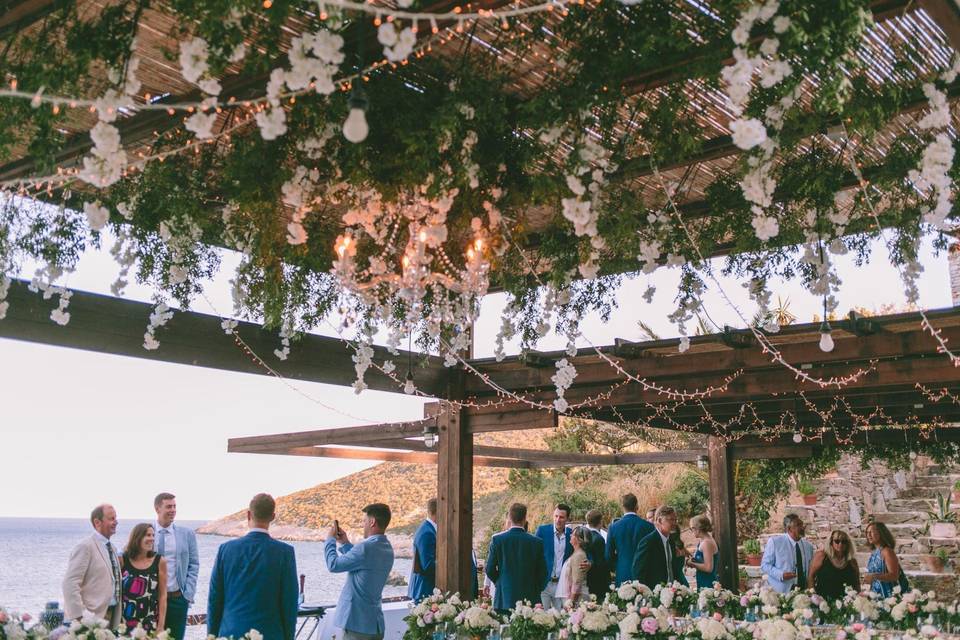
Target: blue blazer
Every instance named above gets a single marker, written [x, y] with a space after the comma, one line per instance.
[253, 586]
[187, 565]
[545, 533]
[425, 550]
[367, 565]
[623, 537]
[516, 565]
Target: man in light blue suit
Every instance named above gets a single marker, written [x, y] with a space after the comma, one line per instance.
[368, 563]
[515, 562]
[786, 558]
[556, 550]
[179, 546]
[254, 581]
[424, 571]
[623, 537]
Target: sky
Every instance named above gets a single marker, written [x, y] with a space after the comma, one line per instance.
[79, 428]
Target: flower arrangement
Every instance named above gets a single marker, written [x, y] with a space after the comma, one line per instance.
[430, 612]
[476, 620]
[533, 622]
[593, 621]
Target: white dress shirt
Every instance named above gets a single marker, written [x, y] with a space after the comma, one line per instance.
[559, 546]
[170, 553]
[668, 555]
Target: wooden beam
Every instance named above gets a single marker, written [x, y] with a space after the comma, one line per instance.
[411, 457]
[723, 511]
[455, 499]
[115, 326]
[18, 15]
[361, 435]
[880, 436]
[947, 16]
[509, 418]
[782, 452]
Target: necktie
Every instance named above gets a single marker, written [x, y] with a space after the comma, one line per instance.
[115, 569]
[666, 550]
[801, 575]
[162, 545]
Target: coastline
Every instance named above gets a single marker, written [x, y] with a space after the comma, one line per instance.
[402, 543]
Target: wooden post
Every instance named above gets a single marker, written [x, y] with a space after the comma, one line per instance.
[455, 498]
[723, 511]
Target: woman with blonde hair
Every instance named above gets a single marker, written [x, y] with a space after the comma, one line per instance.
[707, 554]
[572, 584]
[883, 567]
[834, 568]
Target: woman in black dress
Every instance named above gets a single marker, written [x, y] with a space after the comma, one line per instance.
[144, 585]
[834, 568]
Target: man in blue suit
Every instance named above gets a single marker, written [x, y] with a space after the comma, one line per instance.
[556, 549]
[179, 546]
[254, 581]
[515, 562]
[424, 571]
[598, 577]
[656, 560]
[623, 537]
[359, 610]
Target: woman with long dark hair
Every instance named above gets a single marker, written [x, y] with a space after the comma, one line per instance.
[834, 568]
[144, 585]
[883, 567]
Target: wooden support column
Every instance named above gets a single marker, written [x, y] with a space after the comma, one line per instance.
[723, 510]
[455, 499]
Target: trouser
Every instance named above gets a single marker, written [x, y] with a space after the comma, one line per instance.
[176, 622]
[548, 597]
[354, 635]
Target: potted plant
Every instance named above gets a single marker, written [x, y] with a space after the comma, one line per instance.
[806, 489]
[937, 560]
[751, 548]
[943, 521]
[956, 491]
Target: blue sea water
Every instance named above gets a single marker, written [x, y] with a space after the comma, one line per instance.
[34, 554]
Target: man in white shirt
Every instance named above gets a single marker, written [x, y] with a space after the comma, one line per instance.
[91, 586]
[786, 558]
[179, 546]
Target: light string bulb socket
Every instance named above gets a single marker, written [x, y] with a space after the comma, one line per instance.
[355, 128]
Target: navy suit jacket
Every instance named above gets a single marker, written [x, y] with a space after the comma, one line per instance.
[253, 586]
[425, 548]
[623, 537]
[516, 566]
[650, 561]
[598, 577]
[546, 534]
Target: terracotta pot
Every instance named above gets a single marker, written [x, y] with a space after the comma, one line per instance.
[810, 499]
[943, 530]
[956, 497]
[934, 563]
[754, 560]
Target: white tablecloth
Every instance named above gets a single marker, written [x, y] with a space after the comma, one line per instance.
[393, 614]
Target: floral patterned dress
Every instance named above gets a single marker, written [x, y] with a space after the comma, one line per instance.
[141, 596]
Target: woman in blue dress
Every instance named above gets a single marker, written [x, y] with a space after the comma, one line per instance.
[705, 559]
[883, 566]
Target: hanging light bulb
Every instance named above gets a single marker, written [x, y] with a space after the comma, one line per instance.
[408, 386]
[702, 463]
[430, 437]
[826, 340]
[797, 436]
[355, 127]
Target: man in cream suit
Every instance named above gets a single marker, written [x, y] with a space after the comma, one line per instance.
[179, 546]
[786, 558]
[92, 584]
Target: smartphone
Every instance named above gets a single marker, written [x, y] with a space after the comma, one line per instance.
[336, 527]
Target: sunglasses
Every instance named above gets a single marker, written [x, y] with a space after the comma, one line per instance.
[838, 541]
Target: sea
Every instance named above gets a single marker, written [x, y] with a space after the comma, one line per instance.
[34, 554]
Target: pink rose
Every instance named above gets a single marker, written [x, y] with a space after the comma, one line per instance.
[857, 627]
[3, 617]
[912, 608]
[744, 601]
[434, 607]
[564, 634]
[428, 617]
[841, 634]
[717, 617]
[576, 617]
[649, 625]
[644, 611]
[26, 617]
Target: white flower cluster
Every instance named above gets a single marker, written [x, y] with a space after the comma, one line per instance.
[397, 46]
[562, 379]
[97, 215]
[362, 359]
[776, 629]
[934, 174]
[60, 315]
[194, 66]
[108, 160]
[477, 618]
[229, 326]
[286, 332]
[43, 281]
[202, 121]
[179, 234]
[586, 182]
[160, 316]
[537, 615]
[297, 193]
[508, 329]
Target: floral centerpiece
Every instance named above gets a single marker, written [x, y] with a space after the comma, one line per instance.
[593, 621]
[477, 620]
[675, 596]
[532, 623]
[713, 600]
[628, 593]
[13, 626]
[780, 629]
[715, 627]
[647, 623]
[433, 610]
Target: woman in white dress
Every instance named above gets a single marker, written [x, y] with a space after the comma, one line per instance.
[572, 585]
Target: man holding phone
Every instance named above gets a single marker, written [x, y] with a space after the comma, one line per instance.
[367, 564]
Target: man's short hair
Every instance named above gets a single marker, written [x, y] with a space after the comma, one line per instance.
[664, 512]
[161, 497]
[565, 508]
[518, 513]
[629, 502]
[380, 514]
[97, 514]
[594, 517]
[432, 507]
[789, 519]
[263, 507]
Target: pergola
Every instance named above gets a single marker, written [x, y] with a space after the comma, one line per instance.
[900, 372]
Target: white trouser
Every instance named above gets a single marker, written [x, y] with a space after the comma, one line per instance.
[548, 597]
